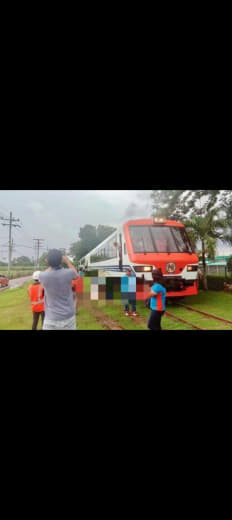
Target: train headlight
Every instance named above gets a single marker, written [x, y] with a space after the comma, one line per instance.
[159, 220]
[147, 269]
[192, 268]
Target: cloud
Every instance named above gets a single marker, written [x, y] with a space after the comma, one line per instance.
[36, 207]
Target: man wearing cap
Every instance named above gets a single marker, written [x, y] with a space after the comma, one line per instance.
[60, 312]
[36, 294]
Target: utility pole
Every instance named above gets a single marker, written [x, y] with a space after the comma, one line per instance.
[37, 248]
[10, 224]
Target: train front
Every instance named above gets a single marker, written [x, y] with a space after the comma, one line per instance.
[163, 244]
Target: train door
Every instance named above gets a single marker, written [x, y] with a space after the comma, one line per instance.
[120, 252]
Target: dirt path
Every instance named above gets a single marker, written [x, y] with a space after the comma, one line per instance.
[101, 317]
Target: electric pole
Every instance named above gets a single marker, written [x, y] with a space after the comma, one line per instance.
[10, 224]
[37, 248]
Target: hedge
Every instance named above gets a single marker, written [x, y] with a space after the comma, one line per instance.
[216, 282]
[91, 273]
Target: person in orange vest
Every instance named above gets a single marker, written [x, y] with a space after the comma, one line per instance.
[77, 287]
[36, 294]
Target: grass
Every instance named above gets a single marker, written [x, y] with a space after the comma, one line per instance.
[86, 321]
[15, 309]
[218, 303]
[115, 311]
[16, 314]
[213, 302]
[16, 271]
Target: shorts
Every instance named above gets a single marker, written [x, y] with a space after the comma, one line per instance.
[68, 324]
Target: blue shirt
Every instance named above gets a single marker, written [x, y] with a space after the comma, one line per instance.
[158, 303]
[128, 284]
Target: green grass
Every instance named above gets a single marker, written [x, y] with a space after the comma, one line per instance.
[15, 309]
[218, 303]
[16, 314]
[16, 271]
[115, 311]
[213, 302]
[86, 321]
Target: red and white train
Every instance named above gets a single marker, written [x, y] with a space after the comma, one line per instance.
[147, 244]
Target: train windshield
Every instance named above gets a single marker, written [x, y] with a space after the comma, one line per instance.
[159, 239]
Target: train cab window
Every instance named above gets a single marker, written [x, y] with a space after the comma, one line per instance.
[141, 239]
[182, 240]
[164, 241]
[159, 239]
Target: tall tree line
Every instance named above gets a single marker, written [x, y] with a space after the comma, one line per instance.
[89, 237]
[207, 214]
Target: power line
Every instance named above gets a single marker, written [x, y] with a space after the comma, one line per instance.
[37, 248]
[23, 245]
[26, 235]
[10, 222]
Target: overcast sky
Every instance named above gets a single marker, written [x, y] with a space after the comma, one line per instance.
[56, 215]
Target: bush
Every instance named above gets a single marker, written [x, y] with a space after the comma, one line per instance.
[216, 282]
[91, 273]
[19, 274]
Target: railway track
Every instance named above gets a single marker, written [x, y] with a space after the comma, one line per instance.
[197, 311]
[207, 314]
[173, 316]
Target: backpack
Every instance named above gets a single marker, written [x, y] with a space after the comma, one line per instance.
[148, 303]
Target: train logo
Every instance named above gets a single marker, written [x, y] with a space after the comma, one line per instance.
[171, 267]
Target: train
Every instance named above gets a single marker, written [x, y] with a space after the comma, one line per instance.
[145, 245]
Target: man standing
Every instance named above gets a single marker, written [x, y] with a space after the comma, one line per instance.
[60, 312]
[131, 290]
[36, 294]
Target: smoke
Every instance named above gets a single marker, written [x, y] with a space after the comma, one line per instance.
[138, 210]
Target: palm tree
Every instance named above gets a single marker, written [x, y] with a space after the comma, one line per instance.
[207, 229]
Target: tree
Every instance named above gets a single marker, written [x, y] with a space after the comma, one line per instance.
[102, 232]
[90, 236]
[227, 209]
[42, 259]
[207, 229]
[165, 202]
[177, 204]
[22, 260]
[201, 209]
